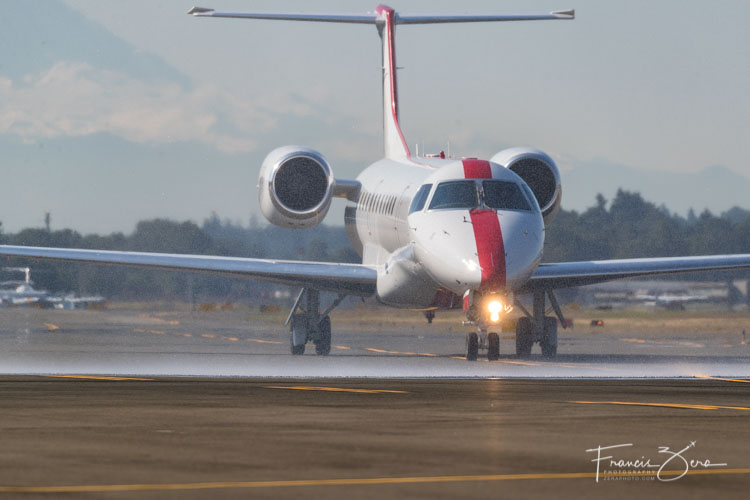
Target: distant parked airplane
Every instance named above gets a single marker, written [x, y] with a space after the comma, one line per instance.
[23, 293]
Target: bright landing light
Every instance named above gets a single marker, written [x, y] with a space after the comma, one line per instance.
[495, 307]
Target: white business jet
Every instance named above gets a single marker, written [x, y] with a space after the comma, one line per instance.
[433, 232]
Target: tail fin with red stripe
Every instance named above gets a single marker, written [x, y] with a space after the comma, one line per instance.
[386, 19]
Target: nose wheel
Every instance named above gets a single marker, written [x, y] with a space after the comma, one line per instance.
[472, 346]
[482, 340]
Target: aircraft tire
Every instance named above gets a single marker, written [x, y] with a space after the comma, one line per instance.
[524, 338]
[472, 346]
[493, 346]
[298, 350]
[323, 343]
[549, 342]
[298, 330]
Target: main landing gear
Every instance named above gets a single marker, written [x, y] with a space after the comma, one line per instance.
[538, 327]
[307, 324]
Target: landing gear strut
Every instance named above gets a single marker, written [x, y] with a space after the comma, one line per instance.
[430, 315]
[307, 323]
[538, 327]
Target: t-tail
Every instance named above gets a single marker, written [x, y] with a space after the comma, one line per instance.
[385, 19]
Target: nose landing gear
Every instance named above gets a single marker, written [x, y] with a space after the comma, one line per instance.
[477, 308]
[481, 339]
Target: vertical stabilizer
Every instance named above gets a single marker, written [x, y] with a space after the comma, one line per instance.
[386, 19]
[394, 143]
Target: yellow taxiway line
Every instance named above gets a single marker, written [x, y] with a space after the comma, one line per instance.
[403, 353]
[94, 377]
[334, 389]
[663, 405]
[724, 379]
[102, 488]
[261, 341]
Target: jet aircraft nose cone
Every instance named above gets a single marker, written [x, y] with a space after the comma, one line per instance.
[487, 250]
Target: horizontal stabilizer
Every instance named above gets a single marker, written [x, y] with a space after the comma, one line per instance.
[471, 18]
[374, 17]
[280, 16]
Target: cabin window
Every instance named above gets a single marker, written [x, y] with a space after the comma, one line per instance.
[417, 204]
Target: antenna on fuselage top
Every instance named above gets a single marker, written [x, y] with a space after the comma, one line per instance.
[385, 19]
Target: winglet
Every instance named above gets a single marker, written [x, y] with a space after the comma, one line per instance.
[565, 14]
[199, 11]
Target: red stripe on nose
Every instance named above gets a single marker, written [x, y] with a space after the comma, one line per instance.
[487, 232]
[477, 169]
[490, 248]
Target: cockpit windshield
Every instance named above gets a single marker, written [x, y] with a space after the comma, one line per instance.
[455, 194]
[503, 195]
[489, 193]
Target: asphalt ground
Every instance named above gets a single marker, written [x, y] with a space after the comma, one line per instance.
[100, 405]
[239, 438]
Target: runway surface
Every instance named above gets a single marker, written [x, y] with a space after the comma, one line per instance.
[183, 344]
[117, 405]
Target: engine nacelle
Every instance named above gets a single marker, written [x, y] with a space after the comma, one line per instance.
[539, 171]
[295, 187]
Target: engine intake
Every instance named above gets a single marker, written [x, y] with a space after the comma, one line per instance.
[539, 172]
[295, 187]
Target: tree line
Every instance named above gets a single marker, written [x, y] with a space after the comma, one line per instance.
[626, 227]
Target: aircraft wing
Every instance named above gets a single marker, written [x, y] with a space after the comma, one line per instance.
[352, 279]
[570, 274]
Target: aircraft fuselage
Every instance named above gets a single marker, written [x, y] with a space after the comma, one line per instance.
[477, 228]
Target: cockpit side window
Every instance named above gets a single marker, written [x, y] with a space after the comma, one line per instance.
[503, 195]
[417, 204]
[455, 194]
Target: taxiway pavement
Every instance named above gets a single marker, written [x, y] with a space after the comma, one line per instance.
[116, 405]
[238, 438]
[217, 344]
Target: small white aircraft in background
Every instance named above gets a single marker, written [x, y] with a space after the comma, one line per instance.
[671, 302]
[23, 293]
[433, 232]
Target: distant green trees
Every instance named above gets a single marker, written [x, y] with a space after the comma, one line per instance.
[213, 237]
[633, 227]
[626, 227]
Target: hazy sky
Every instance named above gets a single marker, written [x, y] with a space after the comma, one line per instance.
[115, 111]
